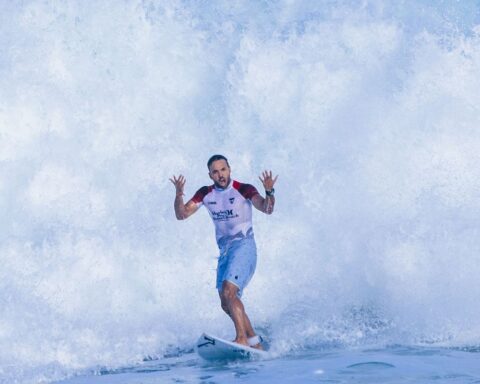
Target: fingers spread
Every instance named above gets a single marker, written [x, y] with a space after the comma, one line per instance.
[178, 182]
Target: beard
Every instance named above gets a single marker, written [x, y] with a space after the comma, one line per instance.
[223, 183]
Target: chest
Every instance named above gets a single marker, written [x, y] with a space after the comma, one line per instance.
[229, 200]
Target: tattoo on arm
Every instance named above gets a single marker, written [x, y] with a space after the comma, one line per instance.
[264, 205]
[268, 204]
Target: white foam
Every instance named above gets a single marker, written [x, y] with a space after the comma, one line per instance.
[368, 113]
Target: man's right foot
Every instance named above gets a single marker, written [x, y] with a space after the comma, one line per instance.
[242, 341]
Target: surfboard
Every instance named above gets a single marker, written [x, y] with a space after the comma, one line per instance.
[214, 348]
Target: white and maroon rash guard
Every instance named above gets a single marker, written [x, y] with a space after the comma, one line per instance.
[230, 210]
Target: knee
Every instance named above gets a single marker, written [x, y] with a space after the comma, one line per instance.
[228, 294]
[226, 300]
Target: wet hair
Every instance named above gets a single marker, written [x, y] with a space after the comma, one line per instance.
[215, 158]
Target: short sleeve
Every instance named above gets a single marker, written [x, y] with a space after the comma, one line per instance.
[200, 195]
[248, 191]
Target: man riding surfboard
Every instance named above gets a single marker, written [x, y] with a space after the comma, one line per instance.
[229, 204]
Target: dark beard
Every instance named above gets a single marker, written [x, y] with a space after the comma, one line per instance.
[219, 186]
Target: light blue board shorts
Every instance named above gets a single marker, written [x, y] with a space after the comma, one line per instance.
[237, 265]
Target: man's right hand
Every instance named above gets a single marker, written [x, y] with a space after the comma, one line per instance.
[182, 211]
[179, 184]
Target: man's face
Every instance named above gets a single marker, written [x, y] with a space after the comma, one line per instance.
[220, 173]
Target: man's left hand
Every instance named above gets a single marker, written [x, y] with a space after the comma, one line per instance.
[268, 180]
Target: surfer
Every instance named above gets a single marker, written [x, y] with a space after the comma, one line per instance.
[229, 204]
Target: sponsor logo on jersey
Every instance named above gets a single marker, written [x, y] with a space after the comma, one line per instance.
[224, 215]
[232, 199]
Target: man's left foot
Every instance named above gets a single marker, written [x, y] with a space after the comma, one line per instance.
[255, 342]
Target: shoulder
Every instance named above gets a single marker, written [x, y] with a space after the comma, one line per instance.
[246, 190]
[201, 193]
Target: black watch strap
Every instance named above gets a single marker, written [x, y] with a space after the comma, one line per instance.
[271, 192]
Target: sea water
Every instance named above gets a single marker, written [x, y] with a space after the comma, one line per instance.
[368, 270]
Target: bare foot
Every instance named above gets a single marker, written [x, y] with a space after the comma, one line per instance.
[257, 346]
[242, 341]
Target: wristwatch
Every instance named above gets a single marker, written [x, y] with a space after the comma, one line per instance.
[271, 192]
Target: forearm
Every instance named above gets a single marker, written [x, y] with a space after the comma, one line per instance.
[179, 207]
[269, 204]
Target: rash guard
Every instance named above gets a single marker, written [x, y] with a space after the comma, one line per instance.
[230, 210]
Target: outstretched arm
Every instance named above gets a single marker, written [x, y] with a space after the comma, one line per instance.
[266, 204]
[182, 211]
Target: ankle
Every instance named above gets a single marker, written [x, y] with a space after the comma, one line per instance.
[254, 340]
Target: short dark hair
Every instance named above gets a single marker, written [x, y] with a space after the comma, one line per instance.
[215, 158]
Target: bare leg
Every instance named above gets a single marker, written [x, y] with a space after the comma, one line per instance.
[251, 332]
[233, 306]
[248, 327]
[248, 324]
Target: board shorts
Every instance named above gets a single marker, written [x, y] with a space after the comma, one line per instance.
[237, 264]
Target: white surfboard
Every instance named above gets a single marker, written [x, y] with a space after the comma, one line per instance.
[214, 348]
